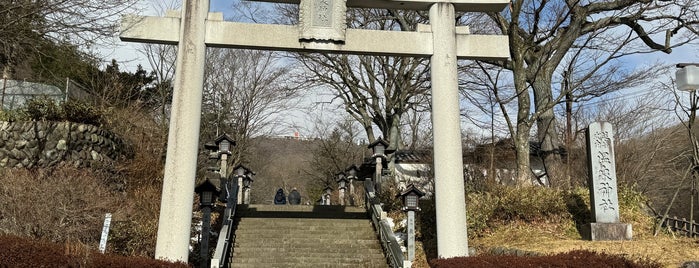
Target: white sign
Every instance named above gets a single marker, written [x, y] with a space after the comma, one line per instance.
[105, 231]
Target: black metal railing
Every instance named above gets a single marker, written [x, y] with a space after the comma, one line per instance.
[378, 217]
[680, 226]
[224, 246]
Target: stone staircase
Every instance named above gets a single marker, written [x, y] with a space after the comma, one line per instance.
[305, 236]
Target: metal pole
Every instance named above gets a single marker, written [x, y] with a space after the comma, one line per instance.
[2, 99]
[452, 238]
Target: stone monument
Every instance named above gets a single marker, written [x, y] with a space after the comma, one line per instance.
[604, 202]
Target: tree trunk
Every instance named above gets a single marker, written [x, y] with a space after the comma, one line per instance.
[522, 152]
[547, 134]
[394, 134]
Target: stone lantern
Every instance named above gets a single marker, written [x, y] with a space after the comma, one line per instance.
[342, 186]
[327, 192]
[351, 172]
[378, 148]
[411, 198]
[687, 79]
[241, 172]
[207, 200]
[687, 76]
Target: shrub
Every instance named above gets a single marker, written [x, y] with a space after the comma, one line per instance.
[55, 204]
[576, 258]
[43, 108]
[81, 112]
[12, 115]
[21, 252]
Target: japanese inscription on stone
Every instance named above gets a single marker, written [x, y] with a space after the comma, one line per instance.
[322, 20]
[602, 173]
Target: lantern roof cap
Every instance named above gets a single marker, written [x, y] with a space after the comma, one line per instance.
[378, 141]
[246, 169]
[206, 186]
[412, 189]
[224, 137]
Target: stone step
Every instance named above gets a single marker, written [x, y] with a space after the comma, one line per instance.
[282, 222]
[303, 242]
[308, 254]
[373, 264]
[305, 236]
[299, 212]
[299, 208]
[306, 260]
[293, 250]
[290, 233]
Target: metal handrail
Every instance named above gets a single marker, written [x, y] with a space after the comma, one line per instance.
[389, 243]
[224, 246]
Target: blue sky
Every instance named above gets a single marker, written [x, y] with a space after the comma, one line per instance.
[129, 58]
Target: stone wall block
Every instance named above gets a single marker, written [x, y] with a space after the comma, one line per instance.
[10, 144]
[94, 138]
[50, 143]
[19, 145]
[47, 143]
[61, 145]
[17, 154]
[33, 143]
[26, 162]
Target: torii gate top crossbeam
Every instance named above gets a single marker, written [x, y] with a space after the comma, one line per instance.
[459, 5]
[221, 33]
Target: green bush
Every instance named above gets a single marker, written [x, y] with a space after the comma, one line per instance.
[515, 203]
[43, 108]
[81, 112]
[12, 115]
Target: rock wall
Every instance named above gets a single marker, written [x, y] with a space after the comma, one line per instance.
[47, 143]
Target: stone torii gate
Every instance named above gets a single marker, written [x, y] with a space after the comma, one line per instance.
[322, 28]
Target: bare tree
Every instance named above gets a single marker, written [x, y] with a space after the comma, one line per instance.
[161, 58]
[246, 93]
[544, 33]
[24, 24]
[375, 90]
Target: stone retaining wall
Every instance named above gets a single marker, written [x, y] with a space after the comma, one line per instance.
[47, 143]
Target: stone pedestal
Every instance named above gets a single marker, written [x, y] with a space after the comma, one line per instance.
[596, 231]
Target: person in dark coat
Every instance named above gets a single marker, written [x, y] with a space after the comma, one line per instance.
[280, 198]
[294, 197]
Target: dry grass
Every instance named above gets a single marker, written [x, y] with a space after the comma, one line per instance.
[667, 250]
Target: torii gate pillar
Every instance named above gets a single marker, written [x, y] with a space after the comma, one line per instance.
[183, 138]
[452, 238]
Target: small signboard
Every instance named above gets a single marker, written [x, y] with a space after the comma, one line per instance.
[105, 231]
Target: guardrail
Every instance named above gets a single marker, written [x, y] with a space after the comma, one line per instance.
[681, 226]
[226, 238]
[388, 238]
